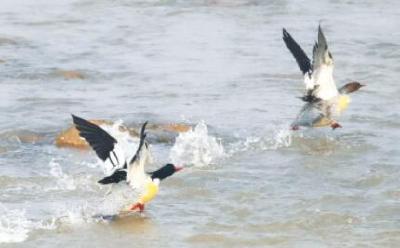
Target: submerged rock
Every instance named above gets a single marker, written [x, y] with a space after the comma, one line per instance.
[70, 74]
[7, 41]
[70, 137]
[22, 136]
[162, 133]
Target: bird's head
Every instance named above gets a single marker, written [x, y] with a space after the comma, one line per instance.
[165, 171]
[350, 87]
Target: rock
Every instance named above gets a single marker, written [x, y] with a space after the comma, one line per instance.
[71, 138]
[2, 61]
[22, 136]
[175, 127]
[70, 75]
[7, 41]
[3, 150]
[161, 133]
[30, 138]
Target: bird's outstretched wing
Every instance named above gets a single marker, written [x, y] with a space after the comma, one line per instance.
[141, 143]
[136, 175]
[122, 174]
[322, 75]
[298, 53]
[116, 177]
[101, 141]
[302, 60]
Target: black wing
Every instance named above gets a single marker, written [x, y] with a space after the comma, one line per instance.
[141, 143]
[116, 177]
[101, 141]
[301, 57]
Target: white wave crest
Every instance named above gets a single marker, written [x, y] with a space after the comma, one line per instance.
[196, 147]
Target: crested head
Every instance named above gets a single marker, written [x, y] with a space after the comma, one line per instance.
[350, 87]
[165, 171]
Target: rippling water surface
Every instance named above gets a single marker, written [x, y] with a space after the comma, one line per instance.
[222, 66]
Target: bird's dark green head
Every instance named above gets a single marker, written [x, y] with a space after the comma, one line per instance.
[350, 87]
[165, 171]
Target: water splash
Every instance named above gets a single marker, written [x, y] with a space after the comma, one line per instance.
[196, 147]
[64, 181]
[15, 226]
[280, 138]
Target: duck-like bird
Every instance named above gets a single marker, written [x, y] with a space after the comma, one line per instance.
[130, 170]
[324, 102]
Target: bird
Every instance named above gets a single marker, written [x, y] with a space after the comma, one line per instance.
[323, 101]
[130, 170]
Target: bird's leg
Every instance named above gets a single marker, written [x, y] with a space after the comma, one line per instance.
[294, 127]
[335, 125]
[137, 205]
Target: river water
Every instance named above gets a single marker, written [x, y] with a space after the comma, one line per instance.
[222, 67]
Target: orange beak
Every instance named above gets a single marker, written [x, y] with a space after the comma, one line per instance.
[178, 168]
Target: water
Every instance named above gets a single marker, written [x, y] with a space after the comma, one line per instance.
[220, 65]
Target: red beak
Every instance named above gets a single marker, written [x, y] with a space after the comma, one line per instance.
[178, 168]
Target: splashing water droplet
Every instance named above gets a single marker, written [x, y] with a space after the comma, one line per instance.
[196, 147]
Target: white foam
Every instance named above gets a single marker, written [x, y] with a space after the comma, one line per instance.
[15, 226]
[196, 147]
[280, 138]
[64, 181]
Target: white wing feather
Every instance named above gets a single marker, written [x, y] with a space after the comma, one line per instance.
[136, 175]
[323, 69]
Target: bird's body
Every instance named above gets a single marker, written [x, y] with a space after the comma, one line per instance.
[324, 102]
[129, 169]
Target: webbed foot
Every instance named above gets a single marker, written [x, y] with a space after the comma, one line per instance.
[335, 125]
[136, 206]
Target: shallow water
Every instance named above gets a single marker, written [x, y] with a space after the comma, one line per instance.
[222, 64]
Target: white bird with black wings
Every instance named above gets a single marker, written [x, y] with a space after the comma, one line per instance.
[324, 102]
[131, 170]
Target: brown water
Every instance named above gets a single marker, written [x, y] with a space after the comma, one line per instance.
[223, 66]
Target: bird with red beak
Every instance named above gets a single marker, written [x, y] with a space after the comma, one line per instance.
[131, 171]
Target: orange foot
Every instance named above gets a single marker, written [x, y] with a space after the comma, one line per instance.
[138, 205]
[335, 125]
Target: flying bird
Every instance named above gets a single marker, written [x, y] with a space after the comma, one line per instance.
[323, 101]
[130, 170]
